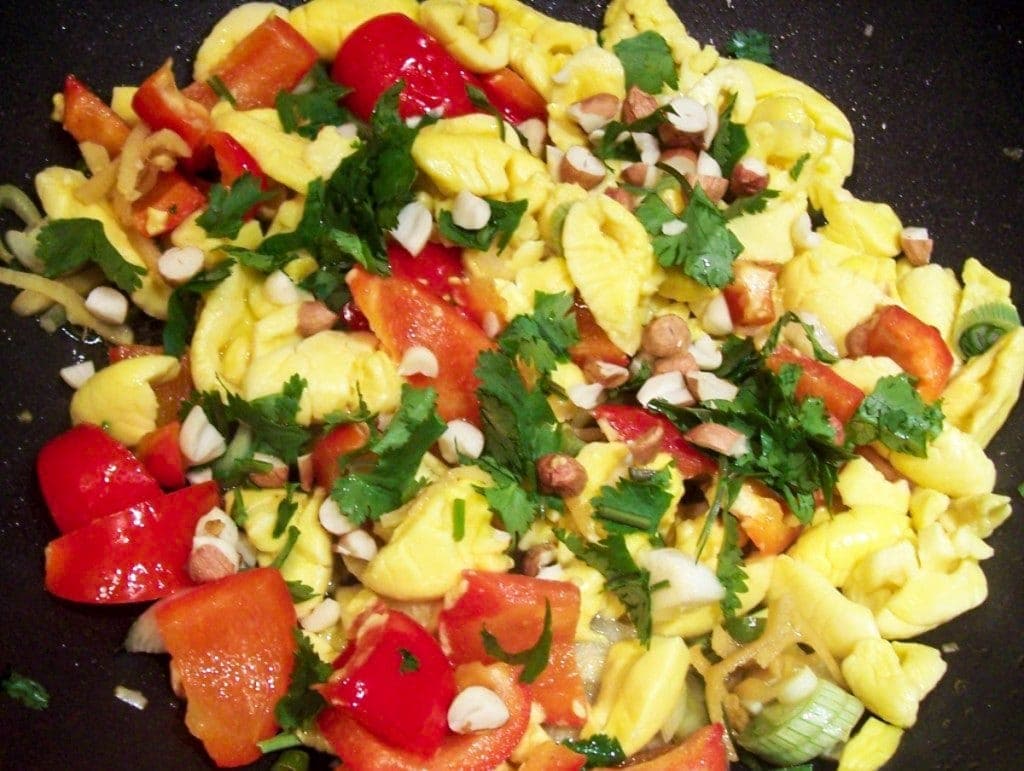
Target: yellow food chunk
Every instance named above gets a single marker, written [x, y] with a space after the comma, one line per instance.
[861, 484]
[121, 103]
[956, 464]
[235, 25]
[766, 235]
[590, 71]
[465, 153]
[871, 747]
[188, 233]
[604, 463]
[981, 286]
[221, 342]
[931, 293]
[865, 371]
[326, 23]
[455, 24]
[890, 687]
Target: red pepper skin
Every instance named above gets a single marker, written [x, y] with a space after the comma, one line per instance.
[233, 160]
[160, 104]
[703, 750]
[633, 422]
[553, 757]
[437, 267]
[594, 344]
[329, 448]
[89, 119]
[917, 347]
[135, 555]
[841, 397]
[160, 453]
[272, 58]
[172, 194]
[513, 97]
[392, 47]
[86, 474]
[395, 681]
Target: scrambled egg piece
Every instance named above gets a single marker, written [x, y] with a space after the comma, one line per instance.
[892, 681]
[956, 464]
[464, 153]
[590, 71]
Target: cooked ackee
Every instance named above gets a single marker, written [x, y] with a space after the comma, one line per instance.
[528, 397]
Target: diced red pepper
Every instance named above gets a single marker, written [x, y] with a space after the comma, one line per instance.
[395, 681]
[632, 423]
[89, 119]
[233, 160]
[917, 347]
[703, 750]
[594, 344]
[329, 449]
[436, 267]
[135, 555]
[512, 608]
[232, 644]
[272, 58]
[160, 104]
[553, 757]
[481, 750]
[403, 314]
[751, 294]
[160, 453]
[392, 47]
[513, 97]
[170, 394]
[172, 194]
[841, 397]
[86, 474]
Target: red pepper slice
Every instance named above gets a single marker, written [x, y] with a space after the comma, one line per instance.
[917, 347]
[233, 160]
[553, 757]
[89, 119]
[395, 681]
[392, 47]
[513, 97]
[594, 344]
[86, 474]
[160, 453]
[631, 423]
[329, 449]
[172, 194]
[841, 397]
[703, 750]
[137, 554]
[436, 267]
[160, 104]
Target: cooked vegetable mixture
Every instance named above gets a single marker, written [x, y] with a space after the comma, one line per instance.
[528, 397]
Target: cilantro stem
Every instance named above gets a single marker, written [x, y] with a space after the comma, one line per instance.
[279, 742]
[627, 518]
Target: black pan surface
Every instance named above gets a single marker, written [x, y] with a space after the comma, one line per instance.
[934, 91]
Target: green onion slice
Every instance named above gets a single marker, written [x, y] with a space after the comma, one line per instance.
[981, 327]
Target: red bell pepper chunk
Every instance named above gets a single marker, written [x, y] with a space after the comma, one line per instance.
[917, 347]
[483, 750]
[89, 119]
[751, 294]
[329, 449]
[403, 314]
[86, 474]
[703, 750]
[392, 47]
[553, 757]
[631, 423]
[233, 160]
[137, 554]
[395, 681]
[594, 344]
[232, 644]
[170, 394]
[160, 453]
[513, 97]
[436, 267]
[160, 104]
[841, 397]
[172, 194]
[512, 608]
[272, 58]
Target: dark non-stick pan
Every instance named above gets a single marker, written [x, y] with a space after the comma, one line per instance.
[934, 91]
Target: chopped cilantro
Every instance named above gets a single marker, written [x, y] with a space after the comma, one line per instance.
[227, 206]
[415, 427]
[285, 509]
[635, 503]
[729, 570]
[798, 166]
[622, 576]
[544, 337]
[789, 317]
[534, 659]
[647, 61]
[239, 513]
[278, 742]
[751, 204]
[750, 44]
[479, 100]
[25, 690]
[459, 519]
[896, 415]
[317, 106]
[409, 662]
[219, 87]
[600, 750]
[515, 506]
[286, 549]
[259, 261]
[300, 592]
[272, 419]
[613, 144]
[65, 245]
[300, 703]
[730, 142]
[182, 305]
[505, 218]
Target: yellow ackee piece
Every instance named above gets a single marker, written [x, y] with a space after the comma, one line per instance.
[604, 463]
[235, 25]
[455, 24]
[871, 747]
[931, 293]
[188, 233]
[861, 484]
[981, 286]
[766, 235]
[865, 371]
[639, 689]
[120, 397]
[956, 464]
[891, 685]
[592, 70]
[221, 342]
[464, 153]
[869, 228]
[327, 23]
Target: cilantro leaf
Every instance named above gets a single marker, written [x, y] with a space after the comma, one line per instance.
[220, 88]
[600, 750]
[285, 509]
[272, 419]
[183, 303]
[259, 261]
[751, 204]
[65, 245]
[25, 690]
[300, 592]
[750, 44]
[622, 576]
[730, 142]
[317, 106]
[227, 207]
[505, 218]
[613, 144]
[647, 62]
[789, 317]
[414, 428]
[409, 662]
[534, 659]
[729, 570]
[514, 506]
[798, 166]
[637, 502]
[479, 99]
[289, 543]
[300, 704]
[896, 415]
[544, 337]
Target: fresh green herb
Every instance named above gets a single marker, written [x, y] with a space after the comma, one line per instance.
[981, 327]
[300, 704]
[600, 749]
[65, 245]
[896, 415]
[798, 166]
[740, 359]
[259, 261]
[789, 317]
[317, 106]
[459, 519]
[729, 570]
[409, 662]
[281, 741]
[285, 509]
[730, 142]
[542, 339]
[292, 760]
[534, 659]
[239, 513]
[361, 414]
[414, 428]
[634, 504]
[25, 690]
[516, 507]
[744, 629]
[751, 204]
[504, 220]
[327, 284]
[272, 419]
[479, 100]
[613, 144]
[622, 576]
[286, 549]
[750, 44]
[647, 61]
[219, 87]
[300, 592]
[183, 303]
[227, 207]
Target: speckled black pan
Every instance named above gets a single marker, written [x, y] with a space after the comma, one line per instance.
[934, 91]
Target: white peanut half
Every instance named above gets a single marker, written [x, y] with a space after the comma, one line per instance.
[199, 441]
[476, 708]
